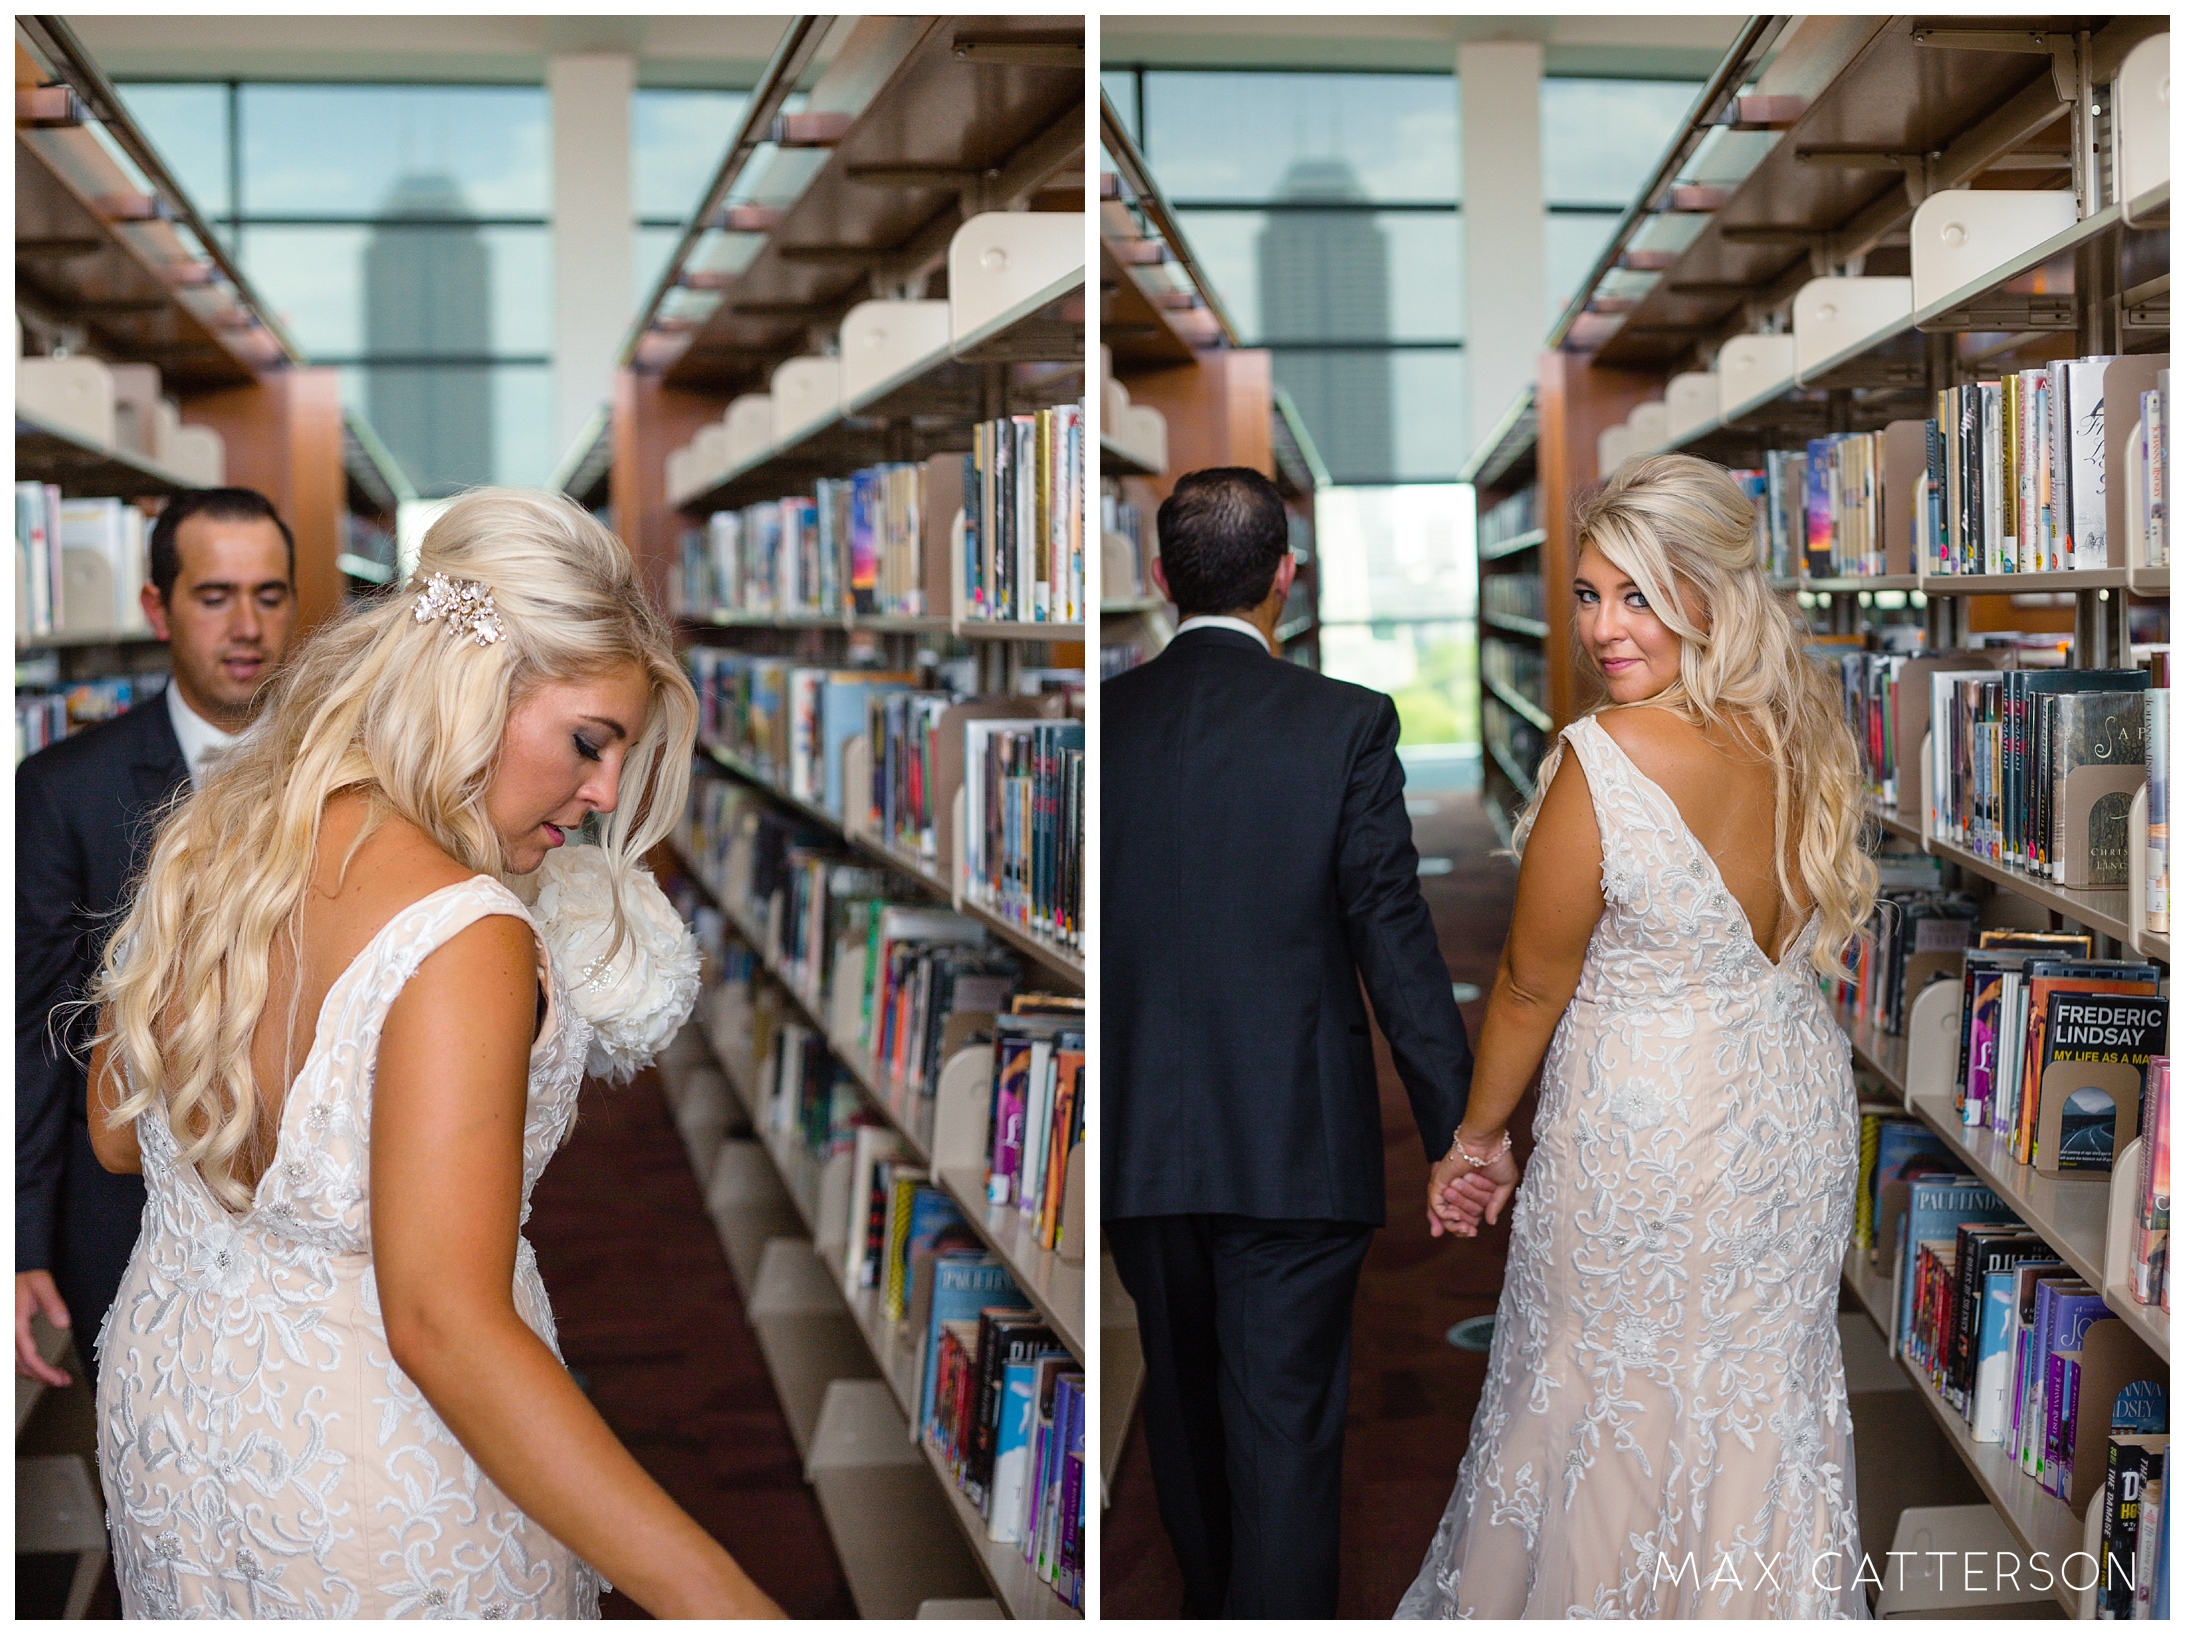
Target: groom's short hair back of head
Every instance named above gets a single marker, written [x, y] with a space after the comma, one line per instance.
[1223, 533]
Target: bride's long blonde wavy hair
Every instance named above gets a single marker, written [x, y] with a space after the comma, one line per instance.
[381, 701]
[1683, 530]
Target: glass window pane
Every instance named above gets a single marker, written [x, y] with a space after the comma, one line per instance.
[353, 291]
[1600, 139]
[1333, 275]
[1250, 136]
[1380, 415]
[453, 427]
[1121, 90]
[677, 142]
[314, 276]
[188, 128]
[1430, 670]
[351, 150]
[1396, 552]
[654, 246]
[1573, 243]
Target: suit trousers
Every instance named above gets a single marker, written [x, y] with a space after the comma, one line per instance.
[1245, 1326]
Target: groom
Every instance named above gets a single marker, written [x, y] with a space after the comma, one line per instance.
[1257, 867]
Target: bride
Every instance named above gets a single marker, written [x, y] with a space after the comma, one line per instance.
[342, 1049]
[1664, 1431]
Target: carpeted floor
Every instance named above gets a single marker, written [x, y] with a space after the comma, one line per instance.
[650, 1318]
[1412, 1393]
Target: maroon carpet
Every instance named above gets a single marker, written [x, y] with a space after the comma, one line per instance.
[649, 1316]
[1412, 1393]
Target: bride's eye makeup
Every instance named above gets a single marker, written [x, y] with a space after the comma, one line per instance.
[586, 748]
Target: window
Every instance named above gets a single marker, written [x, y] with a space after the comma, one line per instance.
[400, 232]
[677, 140]
[1398, 608]
[1324, 208]
[1600, 140]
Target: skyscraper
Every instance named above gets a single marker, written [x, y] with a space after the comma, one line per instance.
[1323, 276]
[428, 293]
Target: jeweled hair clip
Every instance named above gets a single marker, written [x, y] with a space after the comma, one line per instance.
[466, 605]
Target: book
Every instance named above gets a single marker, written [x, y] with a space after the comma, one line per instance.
[1981, 1250]
[2096, 731]
[2157, 860]
[2085, 458]
[1933, 1207]
[2129, 1457]
[1999, 1325]
[2151, 1227]
[1010, 1341]
[904, 1184]
[2093, 1064]
[2025, 1031]
[963, 1286]
[2072, 1313]
[865, 1240]
[2153, 1544]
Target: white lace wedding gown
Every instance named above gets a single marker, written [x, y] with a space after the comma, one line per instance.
[1664, 1431]
[262, 1454]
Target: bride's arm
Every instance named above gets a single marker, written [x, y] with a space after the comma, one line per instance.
[115, 1149]
[446, 1187]
[1558, 904]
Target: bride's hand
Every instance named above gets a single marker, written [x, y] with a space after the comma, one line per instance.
[1460, 1194]
[1499, 1179]
[1450, 1205]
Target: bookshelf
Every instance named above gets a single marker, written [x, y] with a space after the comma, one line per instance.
[114, 264]
[2085, 1219]
[1043, 1275]
[1519, 652]
[1172, 353]
[1798, 245]
[920, 134]
[1812, 295]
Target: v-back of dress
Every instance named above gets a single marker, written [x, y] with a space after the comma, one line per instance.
[262, 1454]
[1664, 1431]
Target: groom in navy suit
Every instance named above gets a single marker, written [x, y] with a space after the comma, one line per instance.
[222, 596]
[1257, 871]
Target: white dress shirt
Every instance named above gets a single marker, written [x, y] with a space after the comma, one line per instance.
[1221, 621]
[201, 741]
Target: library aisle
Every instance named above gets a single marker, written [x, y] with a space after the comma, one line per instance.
[665, 1349]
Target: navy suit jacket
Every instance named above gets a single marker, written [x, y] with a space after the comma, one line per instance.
[1256, 865]
[86, 810]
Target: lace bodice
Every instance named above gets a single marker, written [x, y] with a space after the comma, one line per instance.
[262, 1453]
[1666, 1380]
[1672, 930]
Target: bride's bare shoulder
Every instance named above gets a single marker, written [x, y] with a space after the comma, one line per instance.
[1662, 743]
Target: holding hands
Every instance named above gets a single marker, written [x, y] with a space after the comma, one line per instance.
[1474, 1182]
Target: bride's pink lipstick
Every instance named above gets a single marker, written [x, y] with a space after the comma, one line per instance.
[553, 835]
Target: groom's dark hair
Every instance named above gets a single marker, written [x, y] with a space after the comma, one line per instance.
[1223, 533]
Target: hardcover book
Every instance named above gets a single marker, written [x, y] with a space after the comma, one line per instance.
[2094, 1058]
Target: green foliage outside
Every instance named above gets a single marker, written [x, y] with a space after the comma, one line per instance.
[1441, 705]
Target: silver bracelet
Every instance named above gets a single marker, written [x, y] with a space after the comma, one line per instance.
[1457, 1138]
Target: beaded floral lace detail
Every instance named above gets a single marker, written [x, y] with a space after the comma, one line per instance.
[262, 1454]
[1664, 1431]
